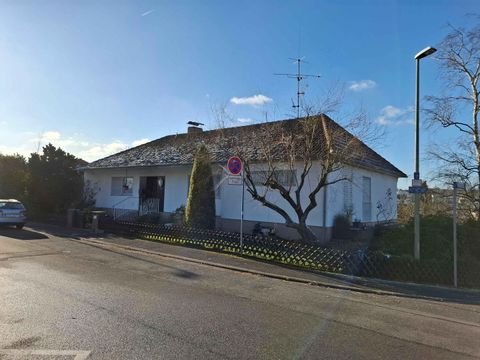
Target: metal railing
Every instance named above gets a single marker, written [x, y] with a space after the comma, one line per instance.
[123, 214]
[149, 206]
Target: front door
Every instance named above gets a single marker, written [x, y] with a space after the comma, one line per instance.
[151, 193]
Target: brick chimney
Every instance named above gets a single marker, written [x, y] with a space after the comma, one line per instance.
[194, 130]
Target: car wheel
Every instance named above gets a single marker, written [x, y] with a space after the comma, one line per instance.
[19, 226]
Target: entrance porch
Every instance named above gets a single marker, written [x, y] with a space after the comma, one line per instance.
[151, 195]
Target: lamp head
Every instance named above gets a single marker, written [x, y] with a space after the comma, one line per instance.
[425, 52]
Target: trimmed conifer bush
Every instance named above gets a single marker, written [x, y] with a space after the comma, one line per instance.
[200, 209]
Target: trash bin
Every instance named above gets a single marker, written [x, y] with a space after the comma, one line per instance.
[73, 218]
[95, 220]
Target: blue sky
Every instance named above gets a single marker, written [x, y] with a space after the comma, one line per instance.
[95, 77]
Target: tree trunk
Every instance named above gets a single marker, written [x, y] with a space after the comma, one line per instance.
[303, 230]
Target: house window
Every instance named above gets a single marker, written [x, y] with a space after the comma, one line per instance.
[286, 178]
[366, 198]
[347, 197]
[122, 186]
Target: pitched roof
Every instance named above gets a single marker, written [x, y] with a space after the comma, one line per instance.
[223, 143]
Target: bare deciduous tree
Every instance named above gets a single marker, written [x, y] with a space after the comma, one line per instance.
[459, 55]
[221, 117]
[286, 164]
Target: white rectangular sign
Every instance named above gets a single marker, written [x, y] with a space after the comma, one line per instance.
[235, 180]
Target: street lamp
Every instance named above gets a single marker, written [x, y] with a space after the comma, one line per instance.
[416, 182]
[456, 185]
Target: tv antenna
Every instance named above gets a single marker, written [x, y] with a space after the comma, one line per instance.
[299, 76]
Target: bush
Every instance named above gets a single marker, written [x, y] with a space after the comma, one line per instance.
[436, 250]
[435, 233]
[149, 219]
[469, 239]
[200, 209]
[341, 227]
[54, 184]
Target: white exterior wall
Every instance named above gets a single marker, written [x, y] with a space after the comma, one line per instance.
[380, 185]
[229, 203]
[176, 186]
[254, 211]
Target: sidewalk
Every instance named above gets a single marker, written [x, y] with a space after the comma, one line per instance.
[263, 268]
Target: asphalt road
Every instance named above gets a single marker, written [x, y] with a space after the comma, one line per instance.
[60, 299]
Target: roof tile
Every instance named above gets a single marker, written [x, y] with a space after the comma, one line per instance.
[223, 143]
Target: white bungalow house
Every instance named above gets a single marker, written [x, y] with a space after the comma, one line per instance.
[154, 177]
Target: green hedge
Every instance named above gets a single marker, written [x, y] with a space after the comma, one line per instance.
[436, 251]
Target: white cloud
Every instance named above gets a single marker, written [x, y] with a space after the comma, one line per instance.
[3, 122]
[382, 120]
[254, 100]
[57, 139]
[362, 85]
[99, 151]
[244, 120]
[50, 136]
[391, 115]
[391, 111]
[140, 142]
[28, 142]
[67, 142]
[147, 13]
[78, 147]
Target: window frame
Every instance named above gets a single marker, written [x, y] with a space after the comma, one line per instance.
[121, 186]
[366, 205]
[293, 182]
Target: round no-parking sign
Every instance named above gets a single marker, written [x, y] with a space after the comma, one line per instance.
[234, 165]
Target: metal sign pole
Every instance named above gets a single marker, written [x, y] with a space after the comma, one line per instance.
[454, 235]
[241, 213]
[235, 166]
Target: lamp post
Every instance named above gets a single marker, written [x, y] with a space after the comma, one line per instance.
[417, 182]
[456, 185]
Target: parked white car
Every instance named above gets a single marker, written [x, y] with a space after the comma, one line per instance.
[12, 212]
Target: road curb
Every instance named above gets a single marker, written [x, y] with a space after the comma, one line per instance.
[112, 246]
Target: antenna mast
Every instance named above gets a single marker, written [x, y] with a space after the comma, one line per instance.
[299, 77]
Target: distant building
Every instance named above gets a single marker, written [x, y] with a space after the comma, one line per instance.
[438, 201]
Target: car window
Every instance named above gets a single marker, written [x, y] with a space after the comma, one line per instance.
[11, 206]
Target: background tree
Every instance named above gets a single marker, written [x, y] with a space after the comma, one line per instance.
[435, 202]
[458, 108]
[200, 208]
[54, 183]
[13, 176]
